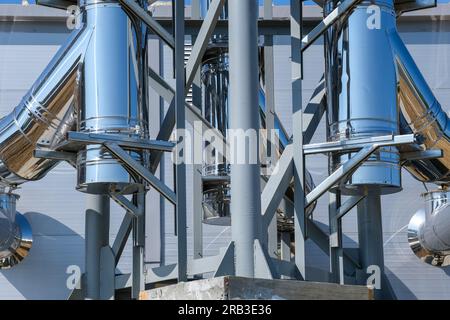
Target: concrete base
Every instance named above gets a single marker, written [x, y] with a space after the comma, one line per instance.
[232, 288]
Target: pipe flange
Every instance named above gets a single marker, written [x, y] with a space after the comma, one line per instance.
[21, 248]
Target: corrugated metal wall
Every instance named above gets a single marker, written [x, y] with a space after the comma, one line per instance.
[56, 209]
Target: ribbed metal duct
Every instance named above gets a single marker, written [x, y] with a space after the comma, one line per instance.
[216, 170]
[92, 85]
[421, 113]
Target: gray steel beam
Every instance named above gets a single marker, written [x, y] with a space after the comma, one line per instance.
[348, 205]
[192, 65]
[276, 186]
[269, 87]
[138, 276]
[314, 111]
[197, 198]
[70, 157]
[141, 171]
[126, 204]
[370, 239]
[336, 14]
[322, 240]
[202, 41]
[296, 22]
[335, 239]
[142, 14]
[122, 236]
[96, 237]
[244, 86]
[345, 145]
[351, 164]
[421, 155]
[126, 142]
[180, 120]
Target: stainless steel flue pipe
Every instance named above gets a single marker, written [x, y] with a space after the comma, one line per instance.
[361, 92]
[110, 103]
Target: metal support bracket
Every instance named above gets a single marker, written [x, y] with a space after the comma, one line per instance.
[353, 163]
[328, 21]
[141, 171]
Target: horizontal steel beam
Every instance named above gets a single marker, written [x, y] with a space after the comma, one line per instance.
[70, 157]
[121, 140]
[349, 166]
[344, 145]
[141, 171]
[266, 27]
[421, 155]
[142, 14]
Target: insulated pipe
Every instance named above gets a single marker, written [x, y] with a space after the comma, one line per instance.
[244, 84]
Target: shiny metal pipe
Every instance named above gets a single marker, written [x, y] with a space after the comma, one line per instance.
[15, 232]
[429, 229]
[216, 170]
[44, 115]
[361, 93]
[110, 98]
[421, 113]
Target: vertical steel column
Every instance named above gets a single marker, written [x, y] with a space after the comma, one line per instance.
[96, 237]
[269, 89]
[297, 117]
[370, 236]
[162, 166]
[138, 283]
[245, 180]
[180, 117]
[197, 184]
[336, 250]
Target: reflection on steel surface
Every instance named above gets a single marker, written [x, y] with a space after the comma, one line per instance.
[15, 232]
[362, 100]
[216, 170]
[429, 229]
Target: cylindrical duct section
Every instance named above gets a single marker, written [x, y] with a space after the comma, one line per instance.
[361, 92]
[44, 115]
[15, 232]
[216, 169]
[421, 114]
[109, 99]
[429, 229]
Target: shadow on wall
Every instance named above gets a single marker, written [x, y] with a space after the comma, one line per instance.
[401, 291]
[42, 275]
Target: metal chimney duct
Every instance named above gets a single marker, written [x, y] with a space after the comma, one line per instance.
[429, 229]
[15, 232]
[216, 170]
[361, 94]
[421, 113]
[109, 97]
